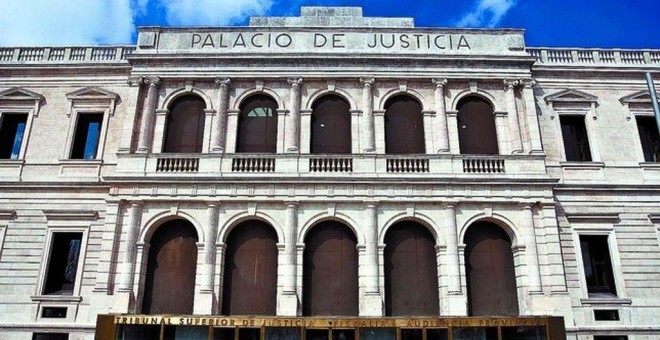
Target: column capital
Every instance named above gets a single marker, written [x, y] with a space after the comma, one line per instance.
[294, 81]
[223, 81]
[152, 80]
[291, 204]
[527, 82]
[439, 82]
[511, 83]
[367, 81]
[135, 81]
[371, 204]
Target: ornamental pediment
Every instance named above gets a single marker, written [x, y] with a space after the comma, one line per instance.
[638, 97]
[92, 93]
[18, 94]
[571, 96]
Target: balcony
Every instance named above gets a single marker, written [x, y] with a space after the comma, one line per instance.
[366, 166]
[599, 57]
[64, 55]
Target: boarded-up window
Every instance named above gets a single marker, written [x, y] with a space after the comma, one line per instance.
[330, 272]
[257, 125]
[576, 142]
[476, 127]
[411, 271]
[490, 271]
[648, 136]
[331, 126]
[404, 126]
[170, 278]
[250, 278]
[185, 125]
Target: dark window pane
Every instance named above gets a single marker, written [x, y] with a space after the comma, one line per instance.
[404, 126]
[63, 264]
[139, 332]
[281, 333]
[606, 315]
[597, 265]
[523, 333]
[610, 337]
[223, 333]
[331, 126]
[343, 334]
[411, 334]
[377, 333]
[86, 140]
[476, 127]
[257, 125]
[50, 336]
[437, 334]
[474, 333]
[316, 334]
[576, 142]
[185, 125]
[648, 136]
[12, 130]
[249, 333]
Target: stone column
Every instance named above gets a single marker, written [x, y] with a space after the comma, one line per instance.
[442, 133]
[514, 123]
[219, 129]
[292, 133]
[453, 270]
[209, 248]
[528, 234]
[128, 261]
[368, 114]
[148, 114]
[372, 305]
[502, 132]
[532, 118]
[288, 304]
[132, 101]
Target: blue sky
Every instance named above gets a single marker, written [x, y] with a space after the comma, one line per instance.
[561, 23]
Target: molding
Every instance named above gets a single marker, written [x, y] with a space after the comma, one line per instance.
[6, 215]
[587, 217]
[571, 96]
[17, 93]
[56, 298]
[638, 97]
[68, 215]
[605, 301]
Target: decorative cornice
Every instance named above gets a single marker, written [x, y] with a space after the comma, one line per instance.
[71, 215]
[6, 215]
[602, 218]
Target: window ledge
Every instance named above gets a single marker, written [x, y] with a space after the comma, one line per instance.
[12, 161]
[81, 161]
[605, 301]
[650, 166]
[56, 298]
[582, 165]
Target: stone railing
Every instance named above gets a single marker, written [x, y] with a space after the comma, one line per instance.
[595, 56]
[483, 165]
[74, 54]
[330, 164]
[253, 164]
[177, 164]
[407, 165]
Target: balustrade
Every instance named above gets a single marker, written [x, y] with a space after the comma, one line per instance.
[177, 164]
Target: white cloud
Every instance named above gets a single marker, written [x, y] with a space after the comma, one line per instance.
[487, 13]
[212, 12]
[65, 22]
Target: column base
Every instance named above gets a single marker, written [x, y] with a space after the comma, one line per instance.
[123, 302]
[217, 150]
[287, 304]
[454, 305]
[204, 302]
[371, 304]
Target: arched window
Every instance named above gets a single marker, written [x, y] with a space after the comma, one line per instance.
[331, 125]
[250, 278]
[330, 271]
[185, 125]
[476, 127]
[489, 269]
[404, 126]
[257, 125]
[411, 271]
[170, 281]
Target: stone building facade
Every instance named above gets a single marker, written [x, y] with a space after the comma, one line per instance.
[542, 159]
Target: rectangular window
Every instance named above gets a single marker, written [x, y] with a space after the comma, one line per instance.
[610, 337]
[86, 139]
[597, 266]
[576, 142]
[12, 130]
[648, 136]
[63, 264]
[50, 336]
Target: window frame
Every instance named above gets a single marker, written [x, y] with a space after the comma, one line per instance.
[20, 101]
[73, 129]
[561, 136]
[639, 147]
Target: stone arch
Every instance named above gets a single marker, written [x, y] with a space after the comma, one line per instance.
[187, 90]
[236, 219]
[165, 216]
[417, 218]
[409, 92]
[324, 216]
[337, 92]
[500, 220]
[489, 98]
[254, 91]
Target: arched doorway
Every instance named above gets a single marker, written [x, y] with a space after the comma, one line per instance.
[411, 271]
[330, 271]
[257, 125]
[185, 125]
[476, 127]
[170, 277]
[491, 278]
[250, 276]
[404, 126]
[331, 125]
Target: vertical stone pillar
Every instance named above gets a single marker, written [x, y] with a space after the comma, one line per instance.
[368, 114]
[532, 117]
[502, 132]
[219, 129]
[288, 302]
[148, 114]
[453, 270]
[132, 101]
[442, 133]
[128, 261]
[209, 248]
[372, 304]
[528, 234]
[514, 122]
[292, 133]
